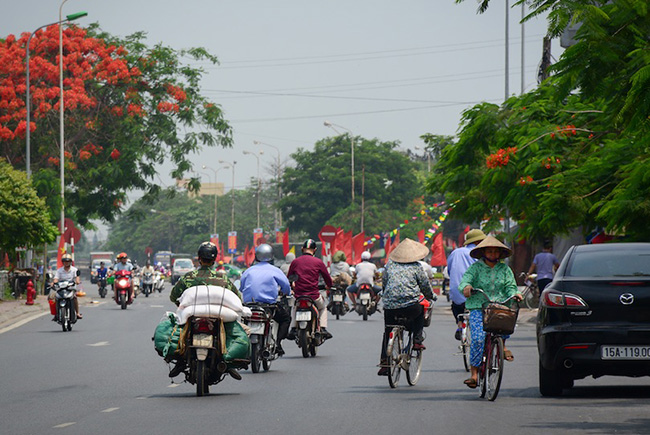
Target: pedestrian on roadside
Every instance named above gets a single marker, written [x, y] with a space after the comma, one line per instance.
[546, 264]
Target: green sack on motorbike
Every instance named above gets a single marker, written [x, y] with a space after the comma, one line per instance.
[238, 346]
[110, 280]
[166, 336]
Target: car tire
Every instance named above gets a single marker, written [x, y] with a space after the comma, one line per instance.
[550, 382]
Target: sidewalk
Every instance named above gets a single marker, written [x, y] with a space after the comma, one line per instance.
[12, 311]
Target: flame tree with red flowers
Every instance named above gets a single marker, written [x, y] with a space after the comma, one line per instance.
[128, 109]
[573, 152]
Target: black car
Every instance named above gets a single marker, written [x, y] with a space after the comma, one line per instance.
[594, 318]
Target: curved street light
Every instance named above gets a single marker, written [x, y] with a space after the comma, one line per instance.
[333, 127]
[232, 193]
[259, 182]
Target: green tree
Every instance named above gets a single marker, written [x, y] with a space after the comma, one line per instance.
[129, 108]
[317, 190]
[573, 152]
[23, 215]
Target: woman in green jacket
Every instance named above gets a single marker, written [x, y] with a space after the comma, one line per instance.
[497, 280]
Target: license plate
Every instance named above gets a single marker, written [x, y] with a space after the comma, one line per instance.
[202, 340]
[337, 298]
[365, 296]
[303, 316]
[256, 328]
[625, 352]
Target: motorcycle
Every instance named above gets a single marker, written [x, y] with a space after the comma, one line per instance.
[366, 304]
[205, 363]
[158, 282]
[135, 282]
[102, 287]
[308, 335]
[147, 283]
[66, 315]
[263, 333]
[122, 286]
[336, 306]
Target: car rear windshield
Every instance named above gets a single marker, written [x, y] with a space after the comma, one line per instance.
[183, 263]
[610, 263]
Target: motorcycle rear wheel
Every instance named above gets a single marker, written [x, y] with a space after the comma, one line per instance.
[256, 356]
[202, 388]
[304, 343]
[364, 311]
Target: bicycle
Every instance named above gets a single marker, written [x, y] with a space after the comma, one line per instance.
[498, 320]
[401, 355]
[465, 339]
[530, 294]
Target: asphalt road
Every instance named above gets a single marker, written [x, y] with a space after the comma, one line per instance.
[104, 377]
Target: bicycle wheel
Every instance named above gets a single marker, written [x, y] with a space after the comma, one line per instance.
[465, 341]
[414, 366]
[532, 297]
[494, 368]
[394, 353]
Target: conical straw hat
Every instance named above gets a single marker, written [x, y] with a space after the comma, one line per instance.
[409, 251]
[490, 242]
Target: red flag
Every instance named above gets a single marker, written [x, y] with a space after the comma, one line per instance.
[421, 236]
[347, 245]
[60, 252]
[285, 242]
[461, 236]
[387, 247]
[357, 247]
[438, 257]
[278, 237]
[249, 255]
[220, 257]
[396, 241]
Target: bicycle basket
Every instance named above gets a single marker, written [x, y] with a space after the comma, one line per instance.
[499, 319]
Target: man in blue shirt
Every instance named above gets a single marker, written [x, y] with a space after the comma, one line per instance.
[546, 264]
[260, 282]
[457, 263]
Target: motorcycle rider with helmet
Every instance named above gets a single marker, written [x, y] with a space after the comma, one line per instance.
[67, 273]
[123, 264]
[102, 273]
[204, 275]
[260, 282]
[308, 269]
[365, 272]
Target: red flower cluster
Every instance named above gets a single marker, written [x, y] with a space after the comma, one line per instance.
[53, 161]
[176, 92]
[135, 110]
[166, 106]
[85, 59]
[550, 162]
[527, 180]
[115, 154]
[500, 158]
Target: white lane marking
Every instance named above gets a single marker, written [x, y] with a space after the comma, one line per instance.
[173, 385]
[110, 409]
[100, 343]
[62, 425]
[22, 322]
[157, 306]
[141, 398]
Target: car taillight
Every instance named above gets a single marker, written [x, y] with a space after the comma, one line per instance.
[203, 325]
[302, 303]
[555, 299]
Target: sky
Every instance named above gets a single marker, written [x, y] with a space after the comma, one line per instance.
[379, 69]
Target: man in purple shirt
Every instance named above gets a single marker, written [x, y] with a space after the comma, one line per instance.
[308, 269]
[546, 264]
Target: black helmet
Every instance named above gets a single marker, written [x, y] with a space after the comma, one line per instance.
[309, 244]
[207, 251]
[264, 252]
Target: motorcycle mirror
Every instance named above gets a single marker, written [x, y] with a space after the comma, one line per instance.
[78, 272]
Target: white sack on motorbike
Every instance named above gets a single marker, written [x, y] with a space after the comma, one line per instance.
[210, 295]
[204, 310]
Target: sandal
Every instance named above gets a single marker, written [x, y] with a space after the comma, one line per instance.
[508, 356]
[470, 382]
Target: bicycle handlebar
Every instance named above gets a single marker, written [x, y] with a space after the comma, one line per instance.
[478, 290]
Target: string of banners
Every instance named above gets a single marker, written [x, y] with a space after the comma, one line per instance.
[435, 225]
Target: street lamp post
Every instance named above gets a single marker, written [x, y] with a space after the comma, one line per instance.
[216, 172]
[278, 214]
[428, 153]
[28, 100]
[333, 127]
[232, 194]
[259, 183]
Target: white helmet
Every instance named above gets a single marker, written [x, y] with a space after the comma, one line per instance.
[365, 255]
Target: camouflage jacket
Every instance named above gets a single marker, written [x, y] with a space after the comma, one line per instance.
[203, 275]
